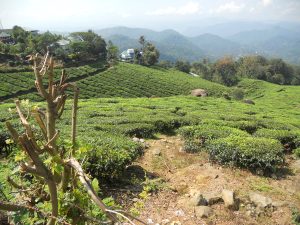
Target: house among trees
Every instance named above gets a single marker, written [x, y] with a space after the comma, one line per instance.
[5, 37]
[127, 55]
[64, 43]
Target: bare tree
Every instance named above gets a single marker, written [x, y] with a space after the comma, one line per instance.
[38, 151]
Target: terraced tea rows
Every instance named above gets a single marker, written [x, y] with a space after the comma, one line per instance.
[127, 80]
[123, 80]
[17, 84]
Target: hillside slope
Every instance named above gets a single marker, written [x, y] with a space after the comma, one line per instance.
[129, 80]
[123, 80]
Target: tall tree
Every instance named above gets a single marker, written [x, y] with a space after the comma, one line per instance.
[225, 71]
[183, 66]
[150, 54]
[142, 41]
[112, 53]
[95, 45]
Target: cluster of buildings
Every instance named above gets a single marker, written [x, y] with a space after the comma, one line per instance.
[7, 38]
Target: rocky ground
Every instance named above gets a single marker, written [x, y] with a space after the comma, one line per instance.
[195, 191]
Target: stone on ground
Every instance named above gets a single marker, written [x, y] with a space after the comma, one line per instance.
[260, 200]
[228, 197]
[203, 211]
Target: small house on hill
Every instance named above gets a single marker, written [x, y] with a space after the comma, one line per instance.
[6, 37]
[64, 43]
[127, 55]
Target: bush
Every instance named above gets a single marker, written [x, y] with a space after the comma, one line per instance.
[108, 154]
[196, 136]
[209, 131]
[284, 136]
[238, 94]
[297, 152]
[250, 126]
[140, 130]
[297, 142]
[248, 152]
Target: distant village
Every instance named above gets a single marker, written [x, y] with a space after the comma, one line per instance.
[7, 38]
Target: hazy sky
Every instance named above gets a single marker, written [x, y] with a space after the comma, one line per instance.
[158, 14]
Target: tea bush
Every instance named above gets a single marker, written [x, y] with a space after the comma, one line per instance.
[284, 136]
[140, 130]
[209, 131]
[107, 155]
[297, 152]
[247, 152]
[196, 136]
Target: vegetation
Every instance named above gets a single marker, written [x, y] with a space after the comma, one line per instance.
[229, 72]
[16, 83]
[105, 124]
[26, 43]
[48, 176]
[87, 46]
[248, 152]
[123, 80]
[112, 53]
[249, 136]
[83, 46]
[183, 66]
[147, 55]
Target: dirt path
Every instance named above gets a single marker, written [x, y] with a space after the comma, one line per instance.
[185, 173]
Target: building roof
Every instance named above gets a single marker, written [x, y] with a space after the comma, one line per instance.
[4, 35]
[63, 42]
[127, 54]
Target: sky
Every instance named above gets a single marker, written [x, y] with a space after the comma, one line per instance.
[70, 15]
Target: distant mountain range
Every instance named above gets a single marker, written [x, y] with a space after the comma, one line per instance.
[282, 41]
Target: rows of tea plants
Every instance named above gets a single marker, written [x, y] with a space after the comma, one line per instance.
[12, 83]
[256, 138]
[106, 126]
[128, 80]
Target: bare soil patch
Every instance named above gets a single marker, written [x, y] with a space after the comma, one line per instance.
[184, 173]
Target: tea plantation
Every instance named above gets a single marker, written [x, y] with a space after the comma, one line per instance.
[232, 132]
[123, 80]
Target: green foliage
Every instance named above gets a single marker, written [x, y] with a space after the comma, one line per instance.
[224, 72]
[112, 53]
[88, 45]
[14, 83]
[153, 185]
[108, 155]
[284, 136]
[196, 137]
[105, 125]
[297, 152]
[128, 80]
[165, 64]
[248, 152]
[150, 54]
[237, 94]
[295, 216]
[140, 130]
[183, 66]
[227, 71]
[209, 132]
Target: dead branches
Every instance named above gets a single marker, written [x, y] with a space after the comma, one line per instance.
[44, 155]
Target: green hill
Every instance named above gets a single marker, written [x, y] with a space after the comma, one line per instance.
[123, 80]
[105, 124]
